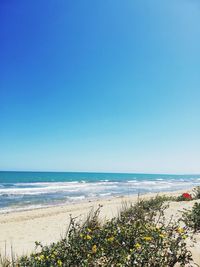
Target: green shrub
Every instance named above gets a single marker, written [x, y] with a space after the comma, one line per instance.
[196, 192]
[137, 237]
[188, 197]
[192, 217]
[184, 197]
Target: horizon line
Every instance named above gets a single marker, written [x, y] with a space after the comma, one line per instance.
[101, 172]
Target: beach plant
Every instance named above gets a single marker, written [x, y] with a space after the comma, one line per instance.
[191, 218]
[4, 262]
[196, 192]
[139, 236]
[184, 197]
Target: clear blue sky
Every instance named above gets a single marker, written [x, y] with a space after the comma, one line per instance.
[100, 85]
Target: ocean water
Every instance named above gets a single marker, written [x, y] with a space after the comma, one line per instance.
[27, 190]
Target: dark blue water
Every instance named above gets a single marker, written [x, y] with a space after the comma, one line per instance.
[22, 190]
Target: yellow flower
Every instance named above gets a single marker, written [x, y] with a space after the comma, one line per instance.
[94, 249]
[59, 263]
[147, 238]
[184, 236]
[88, 237]
[180, 230]
[81, 235]
[89, 230]
[137, 245]
[161, 235]
[110, 239]
[41, 257]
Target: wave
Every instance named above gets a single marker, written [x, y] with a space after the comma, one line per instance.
[73, 187]
[37, 194]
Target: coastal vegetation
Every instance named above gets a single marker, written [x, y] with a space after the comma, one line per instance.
[139, 236]
[191, 218]
[187, 197]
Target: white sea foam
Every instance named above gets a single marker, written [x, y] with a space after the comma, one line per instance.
[76, 198]
[104, 194]
[37, 184]
[39, 194]
[23, 208]
[42, 188]
[70, 187]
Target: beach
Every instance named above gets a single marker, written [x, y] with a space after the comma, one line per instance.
[22, 228]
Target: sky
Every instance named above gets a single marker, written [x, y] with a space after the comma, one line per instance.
[108, 86]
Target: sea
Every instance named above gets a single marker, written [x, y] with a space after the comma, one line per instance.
[31, 190]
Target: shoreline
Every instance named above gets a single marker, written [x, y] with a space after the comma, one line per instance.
[27, 208]
[20, 229]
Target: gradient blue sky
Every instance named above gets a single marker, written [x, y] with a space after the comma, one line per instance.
[100, 85]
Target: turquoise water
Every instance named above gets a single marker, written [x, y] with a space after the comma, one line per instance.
[24, 190]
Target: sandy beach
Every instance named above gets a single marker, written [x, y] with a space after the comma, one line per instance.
[21, 229]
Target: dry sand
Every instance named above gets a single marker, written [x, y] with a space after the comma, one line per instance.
[22, 229]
